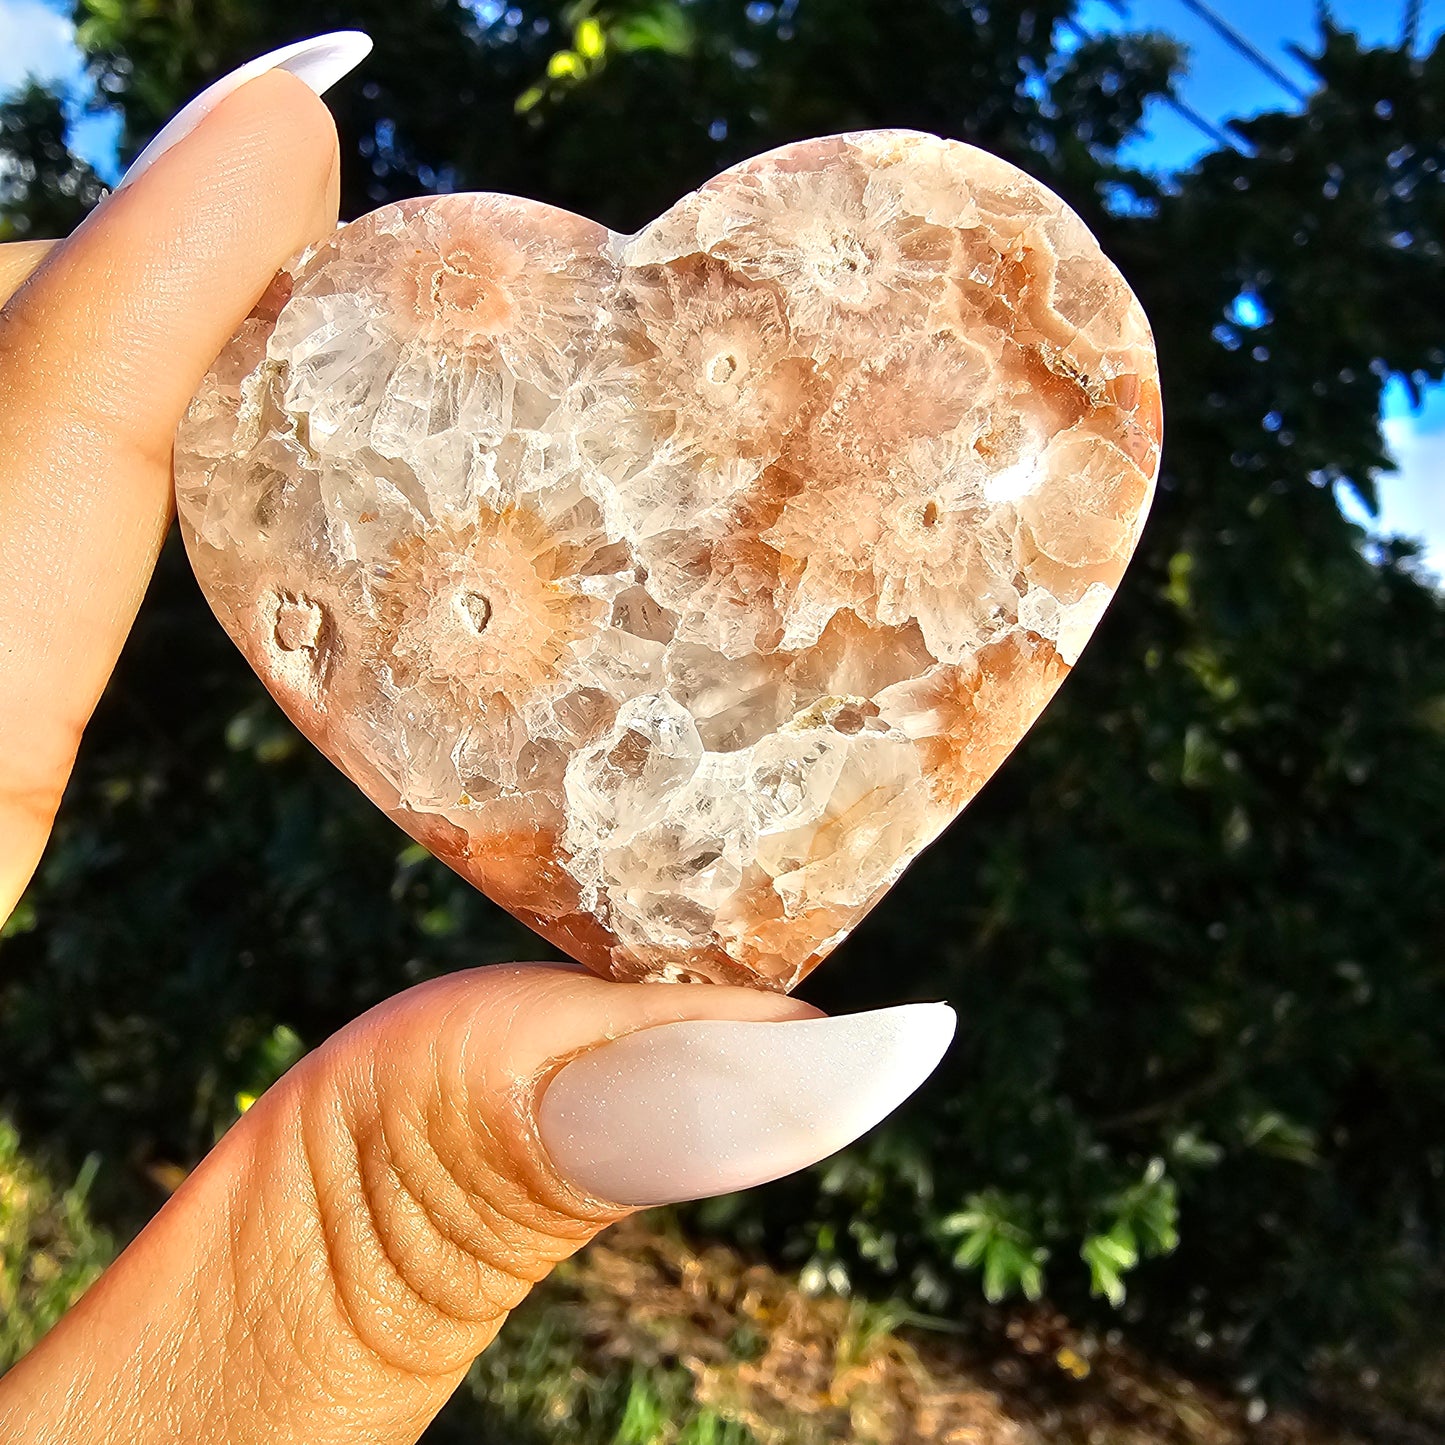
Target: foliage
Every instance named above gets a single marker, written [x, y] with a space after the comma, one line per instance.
[44, 189]
[1140, 1220]
[647, 1339]
[1193, 927]
[996, 1239]
[540, 1382]
[50, 1250]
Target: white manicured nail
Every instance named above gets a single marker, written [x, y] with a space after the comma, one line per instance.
[320, 63]
[685, 1110]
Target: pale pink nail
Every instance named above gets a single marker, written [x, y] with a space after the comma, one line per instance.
[319, 62]
[685, 1110]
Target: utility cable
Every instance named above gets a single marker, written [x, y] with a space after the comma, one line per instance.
[1206, 127]
[1410, 31]
[1242, 45]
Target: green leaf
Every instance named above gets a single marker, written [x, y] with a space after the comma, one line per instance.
[664, 28]
[993, 1234]
[22, 920]
[1144, 1223]
[282, 1048]
[1105, 1271]
[1188, 1146]
[565, 64]
[589, 39]
[1181, 568]
[1272, 1133]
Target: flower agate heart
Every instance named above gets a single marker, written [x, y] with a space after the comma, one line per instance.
[678, 588]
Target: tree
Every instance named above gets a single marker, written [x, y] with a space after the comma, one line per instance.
[1192, 926]
[44, 189]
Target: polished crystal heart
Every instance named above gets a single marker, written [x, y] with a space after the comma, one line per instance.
[678, 588]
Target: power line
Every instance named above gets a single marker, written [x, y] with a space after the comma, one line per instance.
[1215, 133]
[1205, 127]
[1410, 32]
[1242, 45]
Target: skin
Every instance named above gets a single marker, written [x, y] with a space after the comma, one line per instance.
[331, 1269]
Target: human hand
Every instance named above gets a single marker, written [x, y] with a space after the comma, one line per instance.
[333, 1266]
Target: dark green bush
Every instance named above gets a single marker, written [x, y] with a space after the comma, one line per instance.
[1193, 928]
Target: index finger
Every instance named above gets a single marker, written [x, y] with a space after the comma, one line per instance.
[100, 352]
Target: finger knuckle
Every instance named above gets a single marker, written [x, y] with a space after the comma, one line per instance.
[430, 1240]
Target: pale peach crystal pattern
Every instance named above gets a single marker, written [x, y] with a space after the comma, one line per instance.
[678, 588]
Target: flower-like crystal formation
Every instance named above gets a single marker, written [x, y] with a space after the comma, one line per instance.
[679, 588]
[481, 614]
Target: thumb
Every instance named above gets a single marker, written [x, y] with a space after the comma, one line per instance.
[332, 1268]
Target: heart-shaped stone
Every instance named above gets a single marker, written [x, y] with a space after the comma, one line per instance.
[678, 588]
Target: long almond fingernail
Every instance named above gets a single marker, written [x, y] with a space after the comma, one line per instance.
[319, 62]
[685, 1110]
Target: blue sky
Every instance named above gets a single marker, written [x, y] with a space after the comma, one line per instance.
[1222, 84]
[36, 38]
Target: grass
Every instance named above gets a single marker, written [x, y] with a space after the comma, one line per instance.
[50, 1250]
[647, 1339]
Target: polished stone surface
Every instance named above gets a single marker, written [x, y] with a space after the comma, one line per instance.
[678, 588]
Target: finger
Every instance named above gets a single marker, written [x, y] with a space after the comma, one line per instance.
[333, 1267]
[17, 260]
[100, 351]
